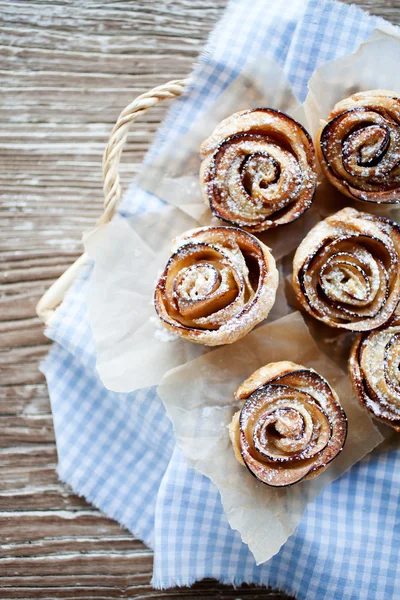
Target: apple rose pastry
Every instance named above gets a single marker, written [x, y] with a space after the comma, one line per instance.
[359, 147]
[346, 270]
[258, 169]
[291, 424]
[374, 371]
[218, 284]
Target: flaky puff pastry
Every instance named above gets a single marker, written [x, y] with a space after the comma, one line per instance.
[374, 372]
[258, 169]
[217, 285]
[346, 270]
[291, 424]
[359, 147]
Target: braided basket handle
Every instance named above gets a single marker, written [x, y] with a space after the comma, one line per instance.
[111, 183]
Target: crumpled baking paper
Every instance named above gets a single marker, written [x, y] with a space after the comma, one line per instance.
[198, 397]
[374, 65]
[173, 176]
[134, 350]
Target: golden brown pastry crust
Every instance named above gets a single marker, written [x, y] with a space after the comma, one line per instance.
[346, 270]
[359, 147]
[291, 424]
[217, 285]
[258, 169]
[374, 372]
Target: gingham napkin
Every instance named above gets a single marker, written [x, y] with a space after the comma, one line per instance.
[118, 451]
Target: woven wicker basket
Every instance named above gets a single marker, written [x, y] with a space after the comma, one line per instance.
[111, 184]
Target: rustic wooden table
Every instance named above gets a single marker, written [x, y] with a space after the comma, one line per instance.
[68, 68]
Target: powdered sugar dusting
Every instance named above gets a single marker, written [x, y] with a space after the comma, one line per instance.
[346, 270]
[290, 426]
[360, 147]
[161, 333]
[375, 371]
[209, 292]
[260, 170]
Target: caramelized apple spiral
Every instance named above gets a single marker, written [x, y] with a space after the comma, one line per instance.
[218, 284]
[258, 170]
[346, 270]
[374, 371]
[291, 425]
[359, 147]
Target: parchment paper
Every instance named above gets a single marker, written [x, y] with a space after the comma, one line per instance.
[199, 400]
[374, 65]
[133, 348]
[174, 174]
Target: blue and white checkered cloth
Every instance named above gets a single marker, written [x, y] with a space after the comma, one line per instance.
[118, 451]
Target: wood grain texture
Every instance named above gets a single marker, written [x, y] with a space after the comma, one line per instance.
[67, 69]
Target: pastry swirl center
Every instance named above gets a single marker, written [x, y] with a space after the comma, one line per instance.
[197, 281]
[365, 148]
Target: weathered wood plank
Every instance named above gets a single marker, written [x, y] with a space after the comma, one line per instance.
[203, 591]
[388, 9]
[23, 526]
[124, 542]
